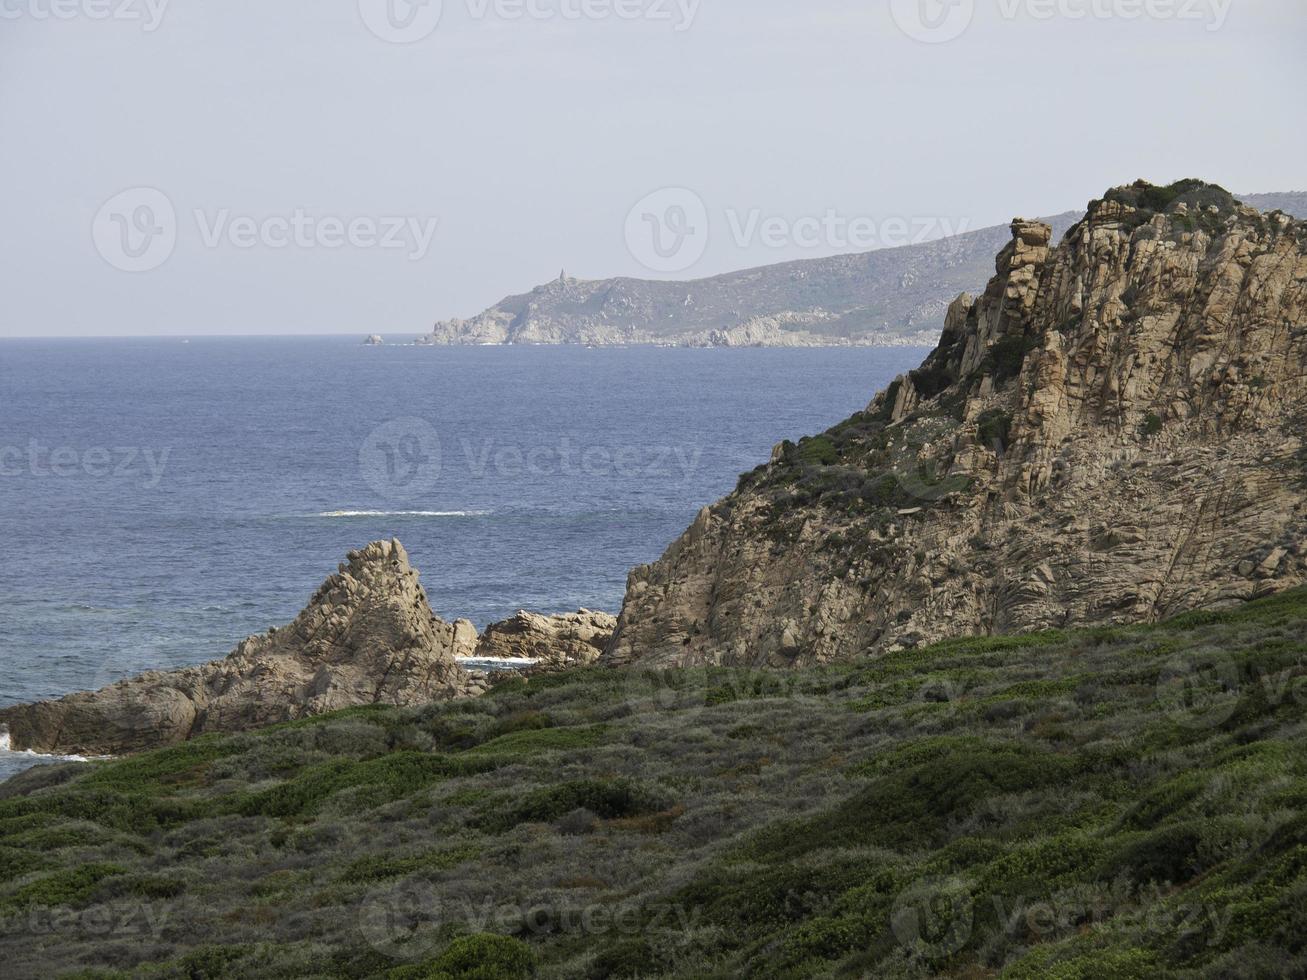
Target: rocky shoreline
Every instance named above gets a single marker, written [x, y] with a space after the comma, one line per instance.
[1111, 433]
[367, 637]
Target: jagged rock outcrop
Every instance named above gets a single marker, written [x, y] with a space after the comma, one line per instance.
[554, 642]
[367, 636]
[1112, 432]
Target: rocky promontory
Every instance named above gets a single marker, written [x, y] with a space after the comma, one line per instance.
[1112, 432]
[368, 636]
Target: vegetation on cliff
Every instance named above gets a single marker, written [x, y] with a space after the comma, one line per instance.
[1106, 435]
[1116, 802]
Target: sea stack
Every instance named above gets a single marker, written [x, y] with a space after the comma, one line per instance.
[368, 636]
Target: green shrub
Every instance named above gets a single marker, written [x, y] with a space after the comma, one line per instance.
[818, 451]
[479, 957]
[994, 428]
[608, 799]
[70, 887]
[1151, 425]
[1007, 355]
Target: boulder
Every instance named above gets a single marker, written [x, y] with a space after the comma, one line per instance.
[554, 642]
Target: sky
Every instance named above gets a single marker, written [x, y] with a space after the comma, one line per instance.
[181, 167]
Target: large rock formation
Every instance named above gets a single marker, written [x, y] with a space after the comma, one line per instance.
[1112, 432]
[554, 642]
[367, 637]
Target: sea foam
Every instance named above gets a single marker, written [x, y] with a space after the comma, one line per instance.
[405, 513]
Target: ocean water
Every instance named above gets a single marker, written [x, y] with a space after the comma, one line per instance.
[162, 499]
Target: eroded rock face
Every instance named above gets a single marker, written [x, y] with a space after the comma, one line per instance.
[1111, 433]
[556, 642]
[367, 636]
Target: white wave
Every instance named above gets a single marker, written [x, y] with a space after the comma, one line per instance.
[496, 663]
[6, 748]
[405, 513]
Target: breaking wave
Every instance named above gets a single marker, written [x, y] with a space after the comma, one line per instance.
[6, 748]
[405, 513]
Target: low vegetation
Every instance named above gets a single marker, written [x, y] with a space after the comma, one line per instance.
[1119, 802]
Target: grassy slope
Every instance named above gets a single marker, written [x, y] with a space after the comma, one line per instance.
[1078, 805]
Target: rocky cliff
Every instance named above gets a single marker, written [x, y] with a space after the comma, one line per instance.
[367, 636]
[1111, 432]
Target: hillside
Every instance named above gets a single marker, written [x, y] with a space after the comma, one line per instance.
[1111, 432]
[889, 297]
[1122, 803]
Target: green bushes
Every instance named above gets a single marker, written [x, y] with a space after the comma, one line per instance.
[70, 887]
[480, 957]
[818, 451]
[378, 867]
[387, 778]
[609, 799]
[1004, 359]
[785, 817]
[994, 429]
[931, 379]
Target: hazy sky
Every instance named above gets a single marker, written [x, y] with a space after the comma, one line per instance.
[276, 166]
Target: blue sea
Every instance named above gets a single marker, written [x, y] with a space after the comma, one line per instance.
[161, 499]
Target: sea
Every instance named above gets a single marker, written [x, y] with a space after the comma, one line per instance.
[161, 499]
